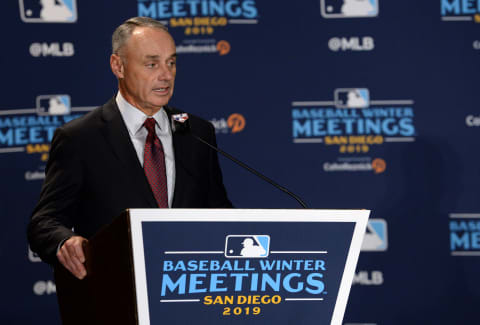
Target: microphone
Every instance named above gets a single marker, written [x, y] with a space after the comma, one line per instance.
[181, 124]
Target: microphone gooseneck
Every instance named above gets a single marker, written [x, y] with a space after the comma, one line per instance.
[182, 126]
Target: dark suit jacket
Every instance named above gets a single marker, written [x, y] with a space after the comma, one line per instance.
[93, 174]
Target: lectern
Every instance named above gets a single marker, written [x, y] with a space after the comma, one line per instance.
[216, 266]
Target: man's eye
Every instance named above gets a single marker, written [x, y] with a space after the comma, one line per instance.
[151, 65]
[172, 63]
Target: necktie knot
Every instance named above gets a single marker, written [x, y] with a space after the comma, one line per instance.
[150, 125]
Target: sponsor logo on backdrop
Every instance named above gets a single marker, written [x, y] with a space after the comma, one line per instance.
[48, 11]
[41, 288]
[30, 130]
[234, 123]
[349, 8]
[472, 120]
[195, 23]
[353, 164]
[245, 268]
[460, 10]
[464, 234]
[54, 49]
[354, 44]
[204, 46]
[353, 124]
[368, 278]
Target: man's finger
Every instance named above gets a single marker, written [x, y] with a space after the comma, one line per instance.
[78, 248]
[75, 260]
[79, 267]
[65, 259]
[75, 250]
[71, 256]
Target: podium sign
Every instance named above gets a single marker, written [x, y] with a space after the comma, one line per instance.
[244, 266]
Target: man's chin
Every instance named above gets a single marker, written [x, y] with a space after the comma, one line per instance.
[160, 101]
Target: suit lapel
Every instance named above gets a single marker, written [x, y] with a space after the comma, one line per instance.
[117, 136]
[179, 147]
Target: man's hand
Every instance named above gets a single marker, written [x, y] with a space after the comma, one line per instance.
[71, 256]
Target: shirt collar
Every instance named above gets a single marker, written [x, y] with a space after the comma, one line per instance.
[134, 118]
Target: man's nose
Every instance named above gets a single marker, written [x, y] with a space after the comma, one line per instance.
[165, 73]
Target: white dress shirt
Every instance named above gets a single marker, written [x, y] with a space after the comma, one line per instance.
[134, 119]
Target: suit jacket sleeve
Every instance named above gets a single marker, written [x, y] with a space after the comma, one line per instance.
[51, 220]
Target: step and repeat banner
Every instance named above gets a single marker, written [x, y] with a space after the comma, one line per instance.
[349, 103]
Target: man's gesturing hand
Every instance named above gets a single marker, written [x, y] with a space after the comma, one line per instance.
[71, 256]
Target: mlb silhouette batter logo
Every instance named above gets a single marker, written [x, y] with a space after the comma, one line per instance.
[48, 11]
[352, 98]
[375, 236]
[247, 246]
[53, 105]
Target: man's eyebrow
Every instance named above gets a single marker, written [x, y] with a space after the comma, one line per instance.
[152, 57]
[157, 57]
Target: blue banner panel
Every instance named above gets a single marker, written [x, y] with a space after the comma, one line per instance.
[216, 269]
[349, 103]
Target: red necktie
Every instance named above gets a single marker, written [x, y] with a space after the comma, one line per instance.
[154, 165]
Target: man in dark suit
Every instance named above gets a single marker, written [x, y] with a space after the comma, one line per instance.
[124, 154]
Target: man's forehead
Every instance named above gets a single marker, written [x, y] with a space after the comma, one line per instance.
[146, 31]
[150, 43]
[149, 35]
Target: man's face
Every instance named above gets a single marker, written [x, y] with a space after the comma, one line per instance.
[146, 68]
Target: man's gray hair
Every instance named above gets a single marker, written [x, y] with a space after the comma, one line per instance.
[124, 31]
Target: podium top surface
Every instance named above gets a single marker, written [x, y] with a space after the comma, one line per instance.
[243, 215]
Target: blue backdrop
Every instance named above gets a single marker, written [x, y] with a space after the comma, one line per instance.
[349, 103]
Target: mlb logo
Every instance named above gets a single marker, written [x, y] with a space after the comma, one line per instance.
[53, 105]
[48, 11]
[375, 239]
[349, 8]
[247, 246]
[352, 98]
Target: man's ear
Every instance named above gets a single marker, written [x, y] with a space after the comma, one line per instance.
[116, 64]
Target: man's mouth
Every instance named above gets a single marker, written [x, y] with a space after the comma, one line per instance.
[161, 90]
